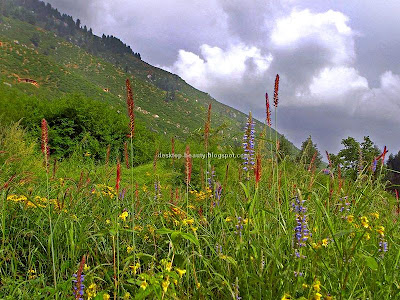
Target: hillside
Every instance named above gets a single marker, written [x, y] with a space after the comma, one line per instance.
[165, 102]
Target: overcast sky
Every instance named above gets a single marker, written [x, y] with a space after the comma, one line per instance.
[339, 60]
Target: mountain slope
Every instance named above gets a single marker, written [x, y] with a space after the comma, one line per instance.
[165, 102]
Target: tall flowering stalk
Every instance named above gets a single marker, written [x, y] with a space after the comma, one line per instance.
[276, 100]
[131, 112]
[131, 105]
[116, 263]
[126, 155]
[302, 233]
[46, 154]
[257, 170]
[248, 146]
[207, 127]
[45, 144]
[79, 287]
[268, 108]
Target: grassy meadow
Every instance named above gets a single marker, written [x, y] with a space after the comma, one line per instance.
[258, 226]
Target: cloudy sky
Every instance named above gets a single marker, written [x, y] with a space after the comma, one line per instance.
[339, 60]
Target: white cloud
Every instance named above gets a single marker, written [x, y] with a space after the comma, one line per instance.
[336, 82]
[215, 65]
[329, 29]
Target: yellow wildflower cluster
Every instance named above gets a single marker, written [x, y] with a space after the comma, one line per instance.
[31, 274]
[37, 200]
[104, 190]
[123, 216]
[364, 222]
[91, 291]
[201, 195]
[381, 231]
[135, 268]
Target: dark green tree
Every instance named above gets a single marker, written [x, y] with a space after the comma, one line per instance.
[393, 171]
[309, 151]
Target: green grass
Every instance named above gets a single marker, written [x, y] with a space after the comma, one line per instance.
[341, 258]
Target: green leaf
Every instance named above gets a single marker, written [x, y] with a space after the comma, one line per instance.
[371, 262]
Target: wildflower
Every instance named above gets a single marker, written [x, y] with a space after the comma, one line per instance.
[168, 266]
[383, 246]
[127, 296]
[228, 219]
[106, 296]
[276, 90]
[317, 296]
[326, 171]
[91, 291]
[236, 288]
[315, 245]
[286, 296]
[123, 216]
[268, 110]
[248, 145]
[118, 176]
[45, 143]
[32, 274]
[198, 285]
[304, 285]
[194, 229]
[86, 268]
[78, 285]
[129, 249]
[302, 234]
[364, 222]
[144, 285]
[381, 230]
[108, 221]
[325, 242]
[131, 105]
[180, 272]
[350, 218]
[367, 236]
[375, 215]
[239, 227]
[165, 285]
[317, 285]
[135, 268]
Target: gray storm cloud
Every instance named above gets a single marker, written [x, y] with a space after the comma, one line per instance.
[339, 67]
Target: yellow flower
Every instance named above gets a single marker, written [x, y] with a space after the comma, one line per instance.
[144, 285]
[350, 218]
[91, 291]
[168, 266]
[165, 285]
[364, 222]
[86, 268]
[228, 219]
[286, 296]
[317, 296]
[315, 245]
[198, 285]
[367, 236]
[317, 285]
[123, 216]
[87, 154]
[129, 249]
[180, 272]
[194, 229]
[127, 296]
[135, 268]
[305, 285]
[381, 230]
[108, 221]
[325, 242]
[106, 296]
[375, 214]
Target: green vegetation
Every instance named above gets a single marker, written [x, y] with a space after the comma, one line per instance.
[270, 224]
